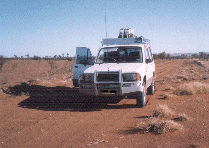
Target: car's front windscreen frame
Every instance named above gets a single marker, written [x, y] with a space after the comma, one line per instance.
[121, 54]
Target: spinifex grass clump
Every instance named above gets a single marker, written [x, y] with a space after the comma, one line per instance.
[181, 117]
[169, 88]
[162, 121]
[163, 111]
[165, 96]
[160, 126]
[192, 88]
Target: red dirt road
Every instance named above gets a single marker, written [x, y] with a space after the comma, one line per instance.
[42, 115]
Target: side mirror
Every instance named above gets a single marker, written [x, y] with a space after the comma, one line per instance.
[148, 60]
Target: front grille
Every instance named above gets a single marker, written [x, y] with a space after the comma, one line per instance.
[105, 77]
[108, 86]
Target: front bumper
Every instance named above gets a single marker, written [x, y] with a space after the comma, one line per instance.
[110, 84]
[105, 89]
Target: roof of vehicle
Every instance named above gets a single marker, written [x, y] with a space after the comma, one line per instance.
[117, 46]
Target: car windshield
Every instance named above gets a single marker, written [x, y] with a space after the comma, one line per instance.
[120, 55]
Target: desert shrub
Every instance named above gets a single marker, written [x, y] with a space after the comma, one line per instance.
[70, 58]
[155, 56]
[182, 77]
[204, 55]
[36, 58]
[160, 126]
[162, 55]
[183, 91]
[192, 88]
[167, 78]
[181, 117]
[52, 64]
[162, 121]
[165, 96]
[169, 88]
[163, 111]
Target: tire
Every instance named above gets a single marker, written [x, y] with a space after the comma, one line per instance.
[75, 83]
[151, 89]
[141, 99]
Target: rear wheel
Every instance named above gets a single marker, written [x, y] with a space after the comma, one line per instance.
[151, 89]
[75, 83]
[141, 99]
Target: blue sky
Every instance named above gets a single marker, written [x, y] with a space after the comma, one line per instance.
[54, 27]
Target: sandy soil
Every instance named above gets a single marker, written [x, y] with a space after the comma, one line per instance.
[40, 108]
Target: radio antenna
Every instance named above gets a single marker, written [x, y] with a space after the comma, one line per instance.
[106, 25]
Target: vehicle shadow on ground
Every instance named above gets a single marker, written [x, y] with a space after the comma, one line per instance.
[62, 99]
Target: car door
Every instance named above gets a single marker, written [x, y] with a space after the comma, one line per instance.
[149, 66]
[152, 64]
[83, 60]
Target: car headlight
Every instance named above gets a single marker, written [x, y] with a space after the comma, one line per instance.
[87, 78]
[131, 77]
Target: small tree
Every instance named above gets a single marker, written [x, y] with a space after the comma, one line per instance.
[2, 61]
[15, 56]
[36, 58]
[27, 55]
[204, 55]
[194, 56]
[155, 56]
[59, 57]
[162, 55]
[168, 56]
[183, 56]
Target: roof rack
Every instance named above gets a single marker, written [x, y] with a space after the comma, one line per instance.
[125, 41]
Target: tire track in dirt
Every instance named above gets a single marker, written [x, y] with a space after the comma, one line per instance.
[168, 68]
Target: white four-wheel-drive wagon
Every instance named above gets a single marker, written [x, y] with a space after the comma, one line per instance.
[124, 66]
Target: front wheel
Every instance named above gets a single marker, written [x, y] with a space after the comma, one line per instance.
[141, 99]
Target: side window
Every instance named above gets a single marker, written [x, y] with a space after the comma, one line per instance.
[90, 60]
[150, 54]
[146, 53]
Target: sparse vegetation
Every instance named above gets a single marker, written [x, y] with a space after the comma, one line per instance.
[203, 55]
[162, 55]
[160, 126]
[163, 111]
[167, 78]
[192, 88]
[52, 64]
[35, 57]
[165, 96]
[162, 121]
[2, 61]
[193, 70]
[169, 88]
[181, 117]
[183, 77]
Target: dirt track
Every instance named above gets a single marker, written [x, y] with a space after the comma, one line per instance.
[39, 114]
